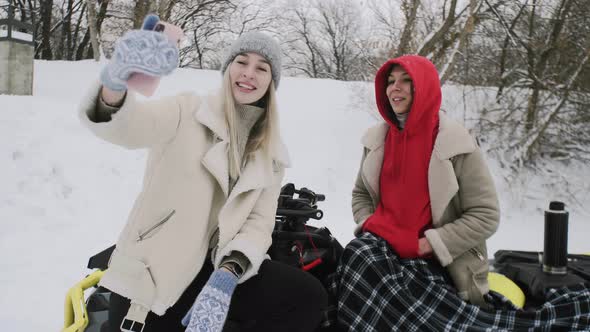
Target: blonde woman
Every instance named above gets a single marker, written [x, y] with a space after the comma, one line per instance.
[196, 239]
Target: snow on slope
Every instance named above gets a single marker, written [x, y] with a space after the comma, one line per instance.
[65, 194]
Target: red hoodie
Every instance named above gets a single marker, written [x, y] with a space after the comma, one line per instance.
[404, 213]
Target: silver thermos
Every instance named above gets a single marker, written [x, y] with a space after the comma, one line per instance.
[555, 245]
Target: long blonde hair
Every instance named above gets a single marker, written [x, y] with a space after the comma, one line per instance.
[264, 134]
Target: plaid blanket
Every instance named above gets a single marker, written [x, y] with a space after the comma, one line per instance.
[377, 291]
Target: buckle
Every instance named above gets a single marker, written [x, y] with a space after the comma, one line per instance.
[134, 321]
[129, 325]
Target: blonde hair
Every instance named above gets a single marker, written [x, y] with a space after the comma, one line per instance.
[264, 133]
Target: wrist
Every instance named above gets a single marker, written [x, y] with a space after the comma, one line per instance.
[234, 268]
[112, 98]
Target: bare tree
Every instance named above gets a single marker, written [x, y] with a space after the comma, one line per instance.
[248, 16]
[461, 39]
[302, 49]
[162, 8]
[141, 9]
[410, 9]
[83, 51]
[92, 28]
[541, 40]
[46, 18]
[324, 40]
[203, 22]
[435, 38]
[439, 33]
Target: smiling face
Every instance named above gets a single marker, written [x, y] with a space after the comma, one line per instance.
[250, 77]
[399, 90]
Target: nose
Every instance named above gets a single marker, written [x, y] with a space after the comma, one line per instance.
[249, 72]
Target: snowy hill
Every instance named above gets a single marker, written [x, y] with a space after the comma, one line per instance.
[65, 194]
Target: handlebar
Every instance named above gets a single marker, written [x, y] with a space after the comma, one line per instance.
[313, 213]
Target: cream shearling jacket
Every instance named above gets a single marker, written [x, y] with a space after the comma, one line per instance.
[185, 196]
[463, 200]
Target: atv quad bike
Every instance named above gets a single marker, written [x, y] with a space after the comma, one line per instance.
[313, 249]
[310, 248]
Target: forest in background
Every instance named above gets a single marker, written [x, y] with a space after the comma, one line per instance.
[532, 54]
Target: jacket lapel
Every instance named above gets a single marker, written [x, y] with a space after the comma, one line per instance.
[256, 174]
[452, 140]
[216, 158]
[442, 186]
[374, 141]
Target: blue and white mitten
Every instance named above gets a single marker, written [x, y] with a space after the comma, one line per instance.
[139, 51]
[210, 309]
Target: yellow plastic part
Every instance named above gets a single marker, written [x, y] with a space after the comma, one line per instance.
[75, 314]
[499, 283]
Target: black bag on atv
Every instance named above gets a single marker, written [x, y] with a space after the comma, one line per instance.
[294, 242]
[537, 272]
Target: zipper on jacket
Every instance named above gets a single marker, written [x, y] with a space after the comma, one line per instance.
[147, 232]
[477, 254]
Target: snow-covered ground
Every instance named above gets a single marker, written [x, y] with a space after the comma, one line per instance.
[64, 194]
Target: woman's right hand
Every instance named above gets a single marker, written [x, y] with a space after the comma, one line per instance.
[424, 248]
[139, 51]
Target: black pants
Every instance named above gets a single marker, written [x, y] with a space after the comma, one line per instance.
[278, 298]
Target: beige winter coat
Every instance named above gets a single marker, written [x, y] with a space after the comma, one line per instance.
[185, 196]
[465, 209]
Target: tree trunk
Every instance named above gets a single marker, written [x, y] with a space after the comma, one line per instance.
[429, 45]
[82, 46]
[77, 30]
[538, 66]
[142, 8]
[92, 29]
[68, 30]
[531, 109]
[61, 41]
[165, 9]
[410, 11]
[46, 15]
[504, 56]
[468, 28]
[102, 13]
[84, 43]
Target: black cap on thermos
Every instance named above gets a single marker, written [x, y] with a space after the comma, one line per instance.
[555, 245]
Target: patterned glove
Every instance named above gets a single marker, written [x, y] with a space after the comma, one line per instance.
[210, 309]
[139, 51]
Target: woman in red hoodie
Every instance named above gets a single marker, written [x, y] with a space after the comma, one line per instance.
[425, 204]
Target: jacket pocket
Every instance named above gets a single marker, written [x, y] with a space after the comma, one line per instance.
[155, 228]
[479, 285]
[461, 274]
[469, 274]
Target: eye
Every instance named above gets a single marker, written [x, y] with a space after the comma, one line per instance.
[262, 69]
[390, 82]
[242, 62]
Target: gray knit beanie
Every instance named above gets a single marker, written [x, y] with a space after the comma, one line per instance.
[259, 43]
